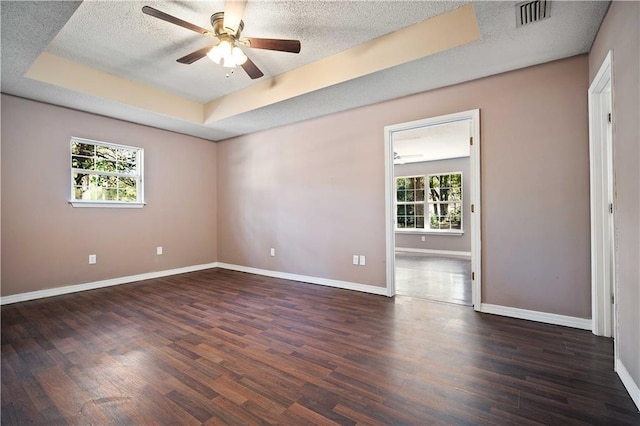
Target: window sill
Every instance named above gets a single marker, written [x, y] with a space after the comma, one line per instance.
[430, 232]
[107, 204]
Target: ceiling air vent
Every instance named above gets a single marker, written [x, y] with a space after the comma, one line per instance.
[532, 11]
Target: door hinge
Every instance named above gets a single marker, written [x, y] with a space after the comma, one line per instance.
[472, 208]
[610, 207]
[609, 117]
[612, 299]
[473, 276]
[471, 140]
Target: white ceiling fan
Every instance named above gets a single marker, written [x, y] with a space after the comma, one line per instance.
[402, 159]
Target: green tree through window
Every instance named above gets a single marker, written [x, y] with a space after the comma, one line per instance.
[432, 202]
[102, 172]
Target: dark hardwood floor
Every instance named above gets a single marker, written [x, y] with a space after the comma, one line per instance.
[222, 347]
[440, 278]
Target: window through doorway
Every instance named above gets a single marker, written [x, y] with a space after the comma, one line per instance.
[432, 206]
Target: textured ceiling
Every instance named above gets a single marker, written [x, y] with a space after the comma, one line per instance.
[430, 143]
[116, 38]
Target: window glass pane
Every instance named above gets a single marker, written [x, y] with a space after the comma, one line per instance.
[106, 166]
[107, 181]
[456, 224]
[434, 182]
[411, 183]
[455, 216]
[420, 222]
[433, 222]
[444, 224]
[420, 182]
[81, 179]
[128, 168]
[409, 209]
[126, 155]
[434, 195]
[445, 181]
[444, 194]
[110, 194]
[408, 195]
[106, 152]
[401, 210]
[400, 195]
[420, 195]
[401, 222]
[126, 183]
[82, 163]
[400, 184]
[77, 193]
[127, 194]
[419, 209]
[410, 222]
[79, 148]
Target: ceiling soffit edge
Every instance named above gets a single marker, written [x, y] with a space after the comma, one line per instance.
[440, 33]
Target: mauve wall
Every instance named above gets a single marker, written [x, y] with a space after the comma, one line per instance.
[315, 190]
[46, 242]
[620, 32]
[434, 241]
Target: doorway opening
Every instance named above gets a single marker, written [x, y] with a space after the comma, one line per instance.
[432, 171]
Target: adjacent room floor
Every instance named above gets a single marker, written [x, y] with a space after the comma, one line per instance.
[439, 278]
[223, 347]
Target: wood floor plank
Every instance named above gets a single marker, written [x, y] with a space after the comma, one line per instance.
[223, 347]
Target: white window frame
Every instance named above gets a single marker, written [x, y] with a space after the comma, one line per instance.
[139, 177]
[427, 203]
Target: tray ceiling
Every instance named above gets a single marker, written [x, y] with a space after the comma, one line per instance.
[108, 58]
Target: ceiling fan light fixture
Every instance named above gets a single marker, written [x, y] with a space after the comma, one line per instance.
[238, 55]
[227, 54]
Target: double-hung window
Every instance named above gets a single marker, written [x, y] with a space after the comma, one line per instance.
[429, 203]
[105, 174]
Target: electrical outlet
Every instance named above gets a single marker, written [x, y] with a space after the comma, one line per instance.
[424, 238]
[355, 259]
[92, 259]
[159, 250]
[273, 252]
[363, 260]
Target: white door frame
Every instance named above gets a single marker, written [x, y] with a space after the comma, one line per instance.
[603, 287]
[474, 217]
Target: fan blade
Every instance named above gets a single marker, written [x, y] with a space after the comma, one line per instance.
[194, 56]
[292, 46]
[251, 69]
[233, 11]
[173, 20]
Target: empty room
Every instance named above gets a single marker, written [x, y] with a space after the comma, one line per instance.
[320, 212]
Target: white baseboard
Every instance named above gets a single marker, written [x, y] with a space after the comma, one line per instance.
[629, 384]
[22, 297]
[307, 279]
[545, 317]
[438, 252]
